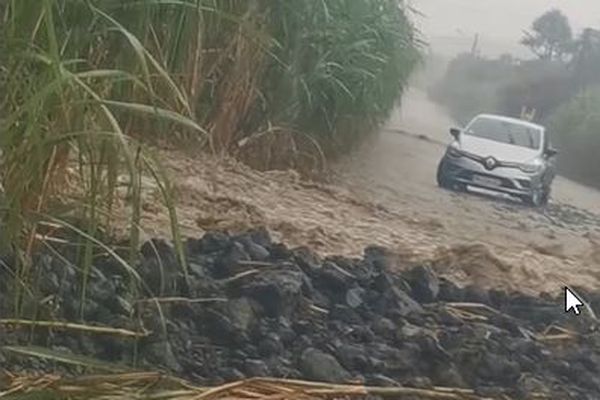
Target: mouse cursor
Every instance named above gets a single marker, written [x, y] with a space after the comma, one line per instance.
[572, 302]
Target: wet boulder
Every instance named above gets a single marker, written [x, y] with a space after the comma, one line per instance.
[385, 328]
[322, 367]
[278, 291]
[476, 294]
[307, 260]
[380, 258]
[387, 298]
[392, 359]
[498, 368]
[353, 357]
[260, 236]
[230, 322]
[159, 268]
[450, 292]
[335, 280]
[161, 353]
[256, 368]
[424, 284]
[256, 251]
[212, 242]
[355, 296]
[256, 243]
[345, 314]
[447, 374]
[242, 313]
[229, 263]
[270, 346]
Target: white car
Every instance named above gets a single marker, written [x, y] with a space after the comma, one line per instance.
[502, 154]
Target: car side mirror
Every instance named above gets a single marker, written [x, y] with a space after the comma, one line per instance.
[551, 152]
[455, 132]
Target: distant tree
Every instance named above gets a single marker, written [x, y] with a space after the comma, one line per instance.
[550, 37]
[586, 58]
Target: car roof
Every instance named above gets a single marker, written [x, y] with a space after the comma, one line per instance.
[512, 120]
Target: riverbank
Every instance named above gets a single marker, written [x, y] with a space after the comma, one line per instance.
[252, 307]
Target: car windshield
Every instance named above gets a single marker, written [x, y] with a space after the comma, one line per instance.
[505, 132]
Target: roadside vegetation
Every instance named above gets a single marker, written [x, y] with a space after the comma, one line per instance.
[576, 128]
[560, 82]
[88, 89]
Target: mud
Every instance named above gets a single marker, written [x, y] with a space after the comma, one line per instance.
[385, 194]
[539, 250]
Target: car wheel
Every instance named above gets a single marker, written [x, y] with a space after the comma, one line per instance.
[545, 196]
[460, 187]
[442, 179]
[538, 198]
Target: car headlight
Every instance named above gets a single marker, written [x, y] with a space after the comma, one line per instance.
[454, 152]
[531, 168]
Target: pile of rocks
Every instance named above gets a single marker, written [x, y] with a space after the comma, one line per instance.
[251, 307]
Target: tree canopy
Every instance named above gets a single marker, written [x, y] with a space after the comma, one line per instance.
[551, 36]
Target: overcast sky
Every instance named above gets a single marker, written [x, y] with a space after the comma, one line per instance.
[450, 25]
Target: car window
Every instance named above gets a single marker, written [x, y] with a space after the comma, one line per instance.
[505, 132]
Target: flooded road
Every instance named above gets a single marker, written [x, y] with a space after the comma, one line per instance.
[398, 168]
[385, 194]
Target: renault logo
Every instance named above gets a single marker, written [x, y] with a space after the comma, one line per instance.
[490, 163]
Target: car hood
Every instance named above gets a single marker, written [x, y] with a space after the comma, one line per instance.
[500, 151]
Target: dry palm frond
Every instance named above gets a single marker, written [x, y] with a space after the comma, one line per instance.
[467, 312]
[556, 333]
[75, 327]
[160, 387]
[162, 300]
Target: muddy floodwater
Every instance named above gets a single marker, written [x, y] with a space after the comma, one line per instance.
[397, 169]
[385, 194]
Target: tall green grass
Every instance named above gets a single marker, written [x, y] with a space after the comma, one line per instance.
[335, 73]
[73, 77]
[346, 61]
[87, 85]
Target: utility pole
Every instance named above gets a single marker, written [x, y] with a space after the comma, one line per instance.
[474, 47]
